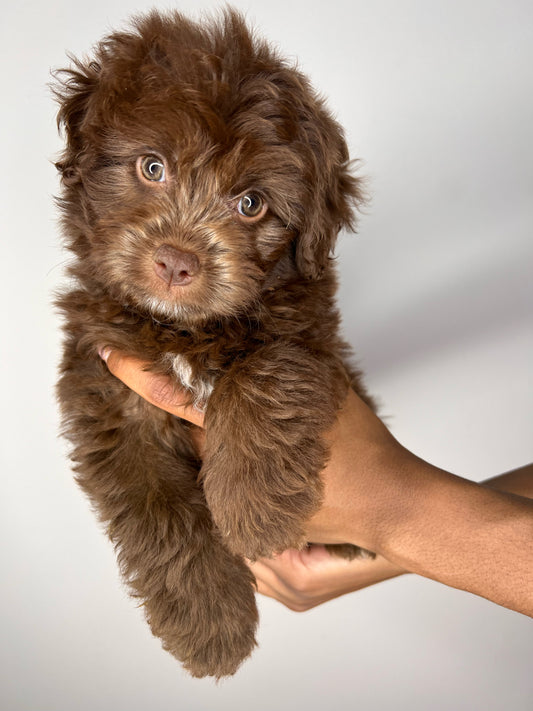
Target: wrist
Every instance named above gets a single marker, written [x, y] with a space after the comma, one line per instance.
[393, 496]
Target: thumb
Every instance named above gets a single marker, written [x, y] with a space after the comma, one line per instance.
[159, 390]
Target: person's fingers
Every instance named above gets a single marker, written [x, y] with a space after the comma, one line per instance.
[264, 578]
[158, 390]
[284, 579]
[270, 585]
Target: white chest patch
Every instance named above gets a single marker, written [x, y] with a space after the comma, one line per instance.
[200, 388]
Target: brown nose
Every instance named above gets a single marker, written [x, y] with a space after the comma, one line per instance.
[174, 266]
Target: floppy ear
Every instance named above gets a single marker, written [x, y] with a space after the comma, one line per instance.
[73, 90]
[334, 194]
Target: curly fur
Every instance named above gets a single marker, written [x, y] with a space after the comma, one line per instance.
[253, 335]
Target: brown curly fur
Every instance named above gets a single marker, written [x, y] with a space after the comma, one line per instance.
[257, 323]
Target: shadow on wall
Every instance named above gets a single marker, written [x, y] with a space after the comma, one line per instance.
[458, 308]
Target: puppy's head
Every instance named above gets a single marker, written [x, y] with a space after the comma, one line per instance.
[195, 159]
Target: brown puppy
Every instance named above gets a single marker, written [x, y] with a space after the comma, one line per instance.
[204, 184]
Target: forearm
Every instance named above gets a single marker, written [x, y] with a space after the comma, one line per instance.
[304, 579]
[368, 571]
[459, 533]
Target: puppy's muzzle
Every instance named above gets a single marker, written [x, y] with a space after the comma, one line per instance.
[174, 266]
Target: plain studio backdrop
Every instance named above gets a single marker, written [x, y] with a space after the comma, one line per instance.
[436, 296]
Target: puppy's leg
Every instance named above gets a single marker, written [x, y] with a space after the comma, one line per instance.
[140, 472]
[264, 446]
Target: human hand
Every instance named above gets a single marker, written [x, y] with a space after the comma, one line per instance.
[299, 579]
[380, 496]
[303, 579]
[354, 464]
[158, 390]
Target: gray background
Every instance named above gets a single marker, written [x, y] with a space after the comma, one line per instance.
[437, 98]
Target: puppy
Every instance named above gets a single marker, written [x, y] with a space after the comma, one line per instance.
[203, 186]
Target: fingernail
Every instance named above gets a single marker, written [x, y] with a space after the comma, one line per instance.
[104, 353]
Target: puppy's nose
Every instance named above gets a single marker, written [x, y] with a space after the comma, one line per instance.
[174, 266]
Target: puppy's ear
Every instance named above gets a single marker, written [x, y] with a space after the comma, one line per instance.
[334, 193]
[74, 90]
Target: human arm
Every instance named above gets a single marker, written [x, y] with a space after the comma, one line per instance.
[421, 518]
[415, 516]
[304, 579]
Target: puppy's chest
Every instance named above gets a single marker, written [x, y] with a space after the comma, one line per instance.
[198, 359]
[197, 378]
[198, 365]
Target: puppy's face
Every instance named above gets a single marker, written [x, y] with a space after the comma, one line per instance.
[180, 225]
[195, 161]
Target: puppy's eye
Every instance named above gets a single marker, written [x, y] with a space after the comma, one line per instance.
[252, 206]
[151, 168]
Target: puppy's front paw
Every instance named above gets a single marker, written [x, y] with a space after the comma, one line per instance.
[264, 449]
[260, 509]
